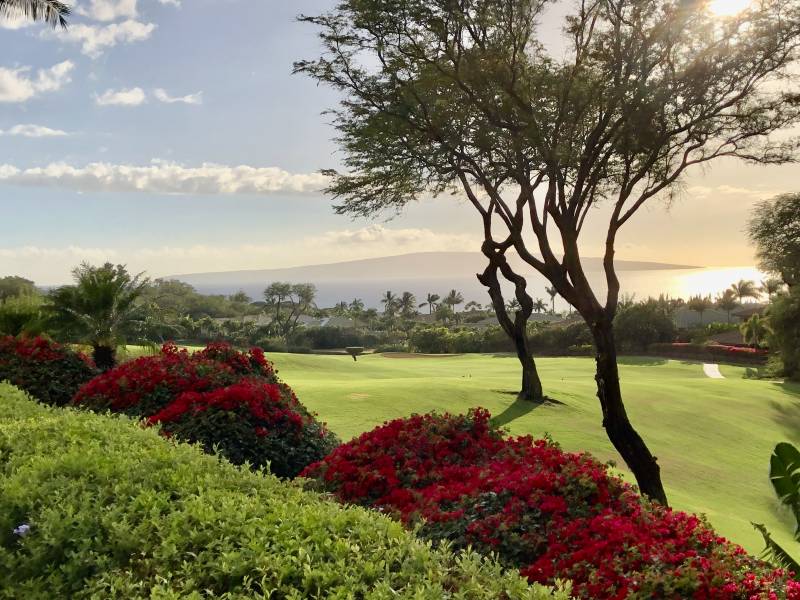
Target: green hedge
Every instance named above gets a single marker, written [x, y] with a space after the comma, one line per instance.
[115, 511]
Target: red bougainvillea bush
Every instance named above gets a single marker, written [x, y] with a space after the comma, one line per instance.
[552, 514]
[144, 386]
[218, 397]
[251, 421]
[48, 371]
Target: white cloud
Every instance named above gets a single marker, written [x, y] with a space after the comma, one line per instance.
[162, 95]
[171, 2]
[380, 236]
[128, 97]
[33, 131]
[108, 10]
[95, 39]
[19, 85]
[165, 178]
[15, 20]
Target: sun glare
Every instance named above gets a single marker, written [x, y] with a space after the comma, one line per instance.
[728, 8]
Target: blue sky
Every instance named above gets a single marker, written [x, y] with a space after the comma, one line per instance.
[172, 136]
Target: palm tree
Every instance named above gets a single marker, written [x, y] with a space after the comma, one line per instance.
[340, 309]
[539, 305]
[407, 304]
[744, 289]
[771, 286]
[552, 292]
[700, 304]
[53, 12]
[356, 307]
[453, 299]
[389, 302]
[513, 305]
[100, 310]
[472, 305]
[727, 301]
[754, 330]
[431, 302]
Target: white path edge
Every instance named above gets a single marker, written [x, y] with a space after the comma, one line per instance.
[712, 371]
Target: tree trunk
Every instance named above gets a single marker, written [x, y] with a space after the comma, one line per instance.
[531, 388]
[105, 357]
[626, 440]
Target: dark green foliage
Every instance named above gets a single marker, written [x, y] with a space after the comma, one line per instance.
[784, 335]
[49, 372]
[13, 286]
[115, 511]
[22, 314]
[775, 230]
[639, 325]
[326, 338]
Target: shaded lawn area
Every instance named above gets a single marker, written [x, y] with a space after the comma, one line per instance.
[713, 437]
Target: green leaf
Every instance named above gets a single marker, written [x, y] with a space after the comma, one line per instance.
[774, 552]
[784, 473]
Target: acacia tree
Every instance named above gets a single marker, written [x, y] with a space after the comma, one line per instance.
[440, 95]
[774, 228]
[288, 302]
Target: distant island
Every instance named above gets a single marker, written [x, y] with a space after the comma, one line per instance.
[419, 273]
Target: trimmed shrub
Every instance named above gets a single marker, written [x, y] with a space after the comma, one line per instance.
[249, 422]
[228, 401]
[48, 371]
[549, 513]
[92, 506]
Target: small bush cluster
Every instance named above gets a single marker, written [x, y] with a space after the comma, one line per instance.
[92, 506]
[48, 371]
[228, 401]
[549, 513]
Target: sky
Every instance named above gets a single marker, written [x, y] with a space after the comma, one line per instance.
[171, 136]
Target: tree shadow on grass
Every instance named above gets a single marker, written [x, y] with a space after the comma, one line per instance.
[787, 411]
[519, 408]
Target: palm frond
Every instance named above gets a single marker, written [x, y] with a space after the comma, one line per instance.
[53, 12]
[775, 553]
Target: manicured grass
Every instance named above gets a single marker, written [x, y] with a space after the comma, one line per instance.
[713, 437]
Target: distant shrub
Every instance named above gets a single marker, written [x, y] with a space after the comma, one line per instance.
[48, 371]
[272, 344]
[558, 339]
[249, 422]
[639, 325]
[550, 513]
[430, 340]
[95, 507]
[327, 338]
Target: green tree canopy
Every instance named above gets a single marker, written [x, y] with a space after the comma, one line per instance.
[774, 228]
